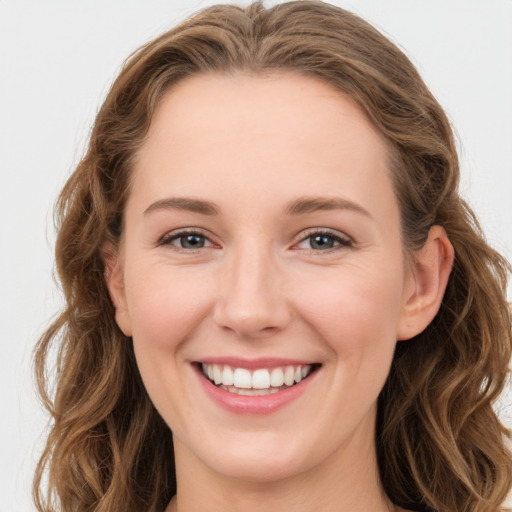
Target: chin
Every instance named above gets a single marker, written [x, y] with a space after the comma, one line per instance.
[256, 457]
[261, 468]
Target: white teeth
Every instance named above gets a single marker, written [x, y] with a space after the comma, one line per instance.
[217, 375]
[250, 392]
[242, 378]
[227, 376]
[277, 377]
[261, 379]
[289, 376]
[258, 382]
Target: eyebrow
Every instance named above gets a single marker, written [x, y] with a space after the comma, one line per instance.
[184, 203]
[299, 206]
[313, 204]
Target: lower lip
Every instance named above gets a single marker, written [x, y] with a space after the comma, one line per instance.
[254, 405]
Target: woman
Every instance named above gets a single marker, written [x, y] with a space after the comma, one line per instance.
[264, 252]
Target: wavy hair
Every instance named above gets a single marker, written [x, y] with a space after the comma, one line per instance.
[439, 442]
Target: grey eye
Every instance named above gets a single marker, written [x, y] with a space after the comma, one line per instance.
[191, 241]
[321, 242]
[187, 240]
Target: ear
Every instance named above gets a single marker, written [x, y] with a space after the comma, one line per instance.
[115, 284]
[426, 283]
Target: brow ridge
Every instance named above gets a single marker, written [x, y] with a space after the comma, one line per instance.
[184, 203]
[299, 206]
[307, 204]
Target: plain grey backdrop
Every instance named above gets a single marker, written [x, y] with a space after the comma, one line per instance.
[57, 59]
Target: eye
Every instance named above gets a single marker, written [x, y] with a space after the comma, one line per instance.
[186, 240]
[324, 241]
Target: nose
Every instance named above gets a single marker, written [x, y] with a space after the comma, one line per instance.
[251, 296]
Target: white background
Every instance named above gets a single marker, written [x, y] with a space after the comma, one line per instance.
[57, 59]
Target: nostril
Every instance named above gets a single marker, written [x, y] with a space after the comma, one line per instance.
[251, 312]
[251, 330]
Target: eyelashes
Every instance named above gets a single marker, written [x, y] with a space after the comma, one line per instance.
[324, 241]
[188, 240]
[313, 241]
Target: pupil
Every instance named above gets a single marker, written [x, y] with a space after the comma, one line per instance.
[192, 241]
[322, 242]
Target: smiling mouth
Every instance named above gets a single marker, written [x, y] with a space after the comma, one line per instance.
[258, 382]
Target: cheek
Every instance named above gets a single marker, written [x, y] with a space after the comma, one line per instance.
[352, 310]
[355, 305]
[165, 305]
[165, 308]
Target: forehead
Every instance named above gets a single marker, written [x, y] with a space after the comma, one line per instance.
[282, 135]
[216, 104]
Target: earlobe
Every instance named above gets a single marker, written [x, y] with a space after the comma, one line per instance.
[430, 271]
[115, 283]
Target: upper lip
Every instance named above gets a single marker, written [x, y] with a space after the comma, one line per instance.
[254, 364]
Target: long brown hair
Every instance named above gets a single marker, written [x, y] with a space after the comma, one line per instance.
[440, 444]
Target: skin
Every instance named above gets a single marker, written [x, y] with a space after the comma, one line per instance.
[259, 287]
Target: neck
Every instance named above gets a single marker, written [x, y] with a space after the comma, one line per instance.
[347, 481]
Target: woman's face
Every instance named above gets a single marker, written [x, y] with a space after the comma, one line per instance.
[262, 244]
